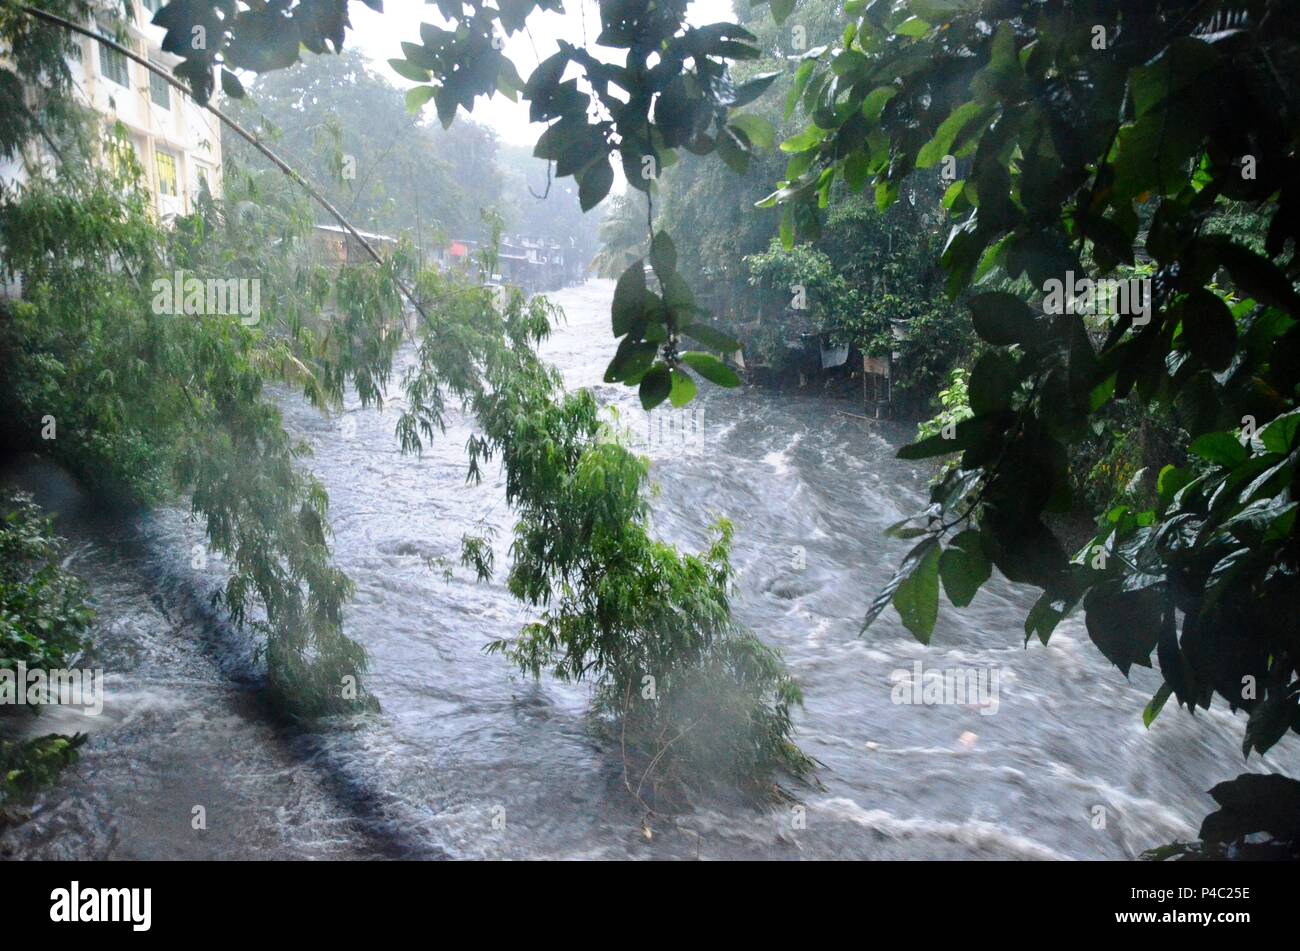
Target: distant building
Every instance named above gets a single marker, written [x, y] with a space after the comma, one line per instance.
[338, 247]
[176, 142]
[534, 265]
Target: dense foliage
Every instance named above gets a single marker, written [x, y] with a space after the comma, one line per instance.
[43, 610]
[166, 402]
[44, 616]
[1079, 123]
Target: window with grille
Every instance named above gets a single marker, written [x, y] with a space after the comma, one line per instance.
[113, 65]
[159, 91]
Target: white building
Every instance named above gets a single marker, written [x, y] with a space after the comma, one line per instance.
[177, 142]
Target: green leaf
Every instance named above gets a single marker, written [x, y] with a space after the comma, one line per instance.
[595, 183]
[683, 390]
[966, 434]
[1169, 482]
[409, 70]
[991, 382]
[934, 150]
[632, 358]
[1209, 329]
[1003, 319]
[964, 567]
[913, 27]
[809, 138]
[262, 42]
[786, 231]
[1047, 612]
[905, 570]
[917, 597]
[1279, 435]
[758, 130]
[1256, 275]
[732, 151]
[1125, 625]
[801, 77]
[711, 338]
[1154, 150]
[1176, 68]
[230, 85]
[875, 103]
[711, 368]
[937, 11]
[753, 88]
[1254, 802]
[656, 385]
[663, 255]
[629, 298]
[1155, 705]
[417, 96]
[1222, 448]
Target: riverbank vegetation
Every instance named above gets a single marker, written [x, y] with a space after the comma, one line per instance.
[44, 616]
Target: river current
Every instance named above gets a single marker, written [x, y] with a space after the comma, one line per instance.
[470, 760]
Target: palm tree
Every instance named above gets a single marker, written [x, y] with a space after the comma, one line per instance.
[623, 235]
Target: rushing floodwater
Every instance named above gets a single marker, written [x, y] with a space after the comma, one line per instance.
[470, 760]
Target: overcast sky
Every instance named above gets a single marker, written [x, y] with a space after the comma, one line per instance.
[380, 36]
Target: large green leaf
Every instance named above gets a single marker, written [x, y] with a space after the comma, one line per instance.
[917, 597]
[683, 390]
[1209, 328]
[711, 337]
[595, 183]
[711, 368]
[964, 567]
[663, 255]
[408, 70]
[629, 298]
[656, 386]
[1125, 625]
[758, 130]
[1003, 319]
[939, 146]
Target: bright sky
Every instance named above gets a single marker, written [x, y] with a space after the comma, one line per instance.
[380, 35]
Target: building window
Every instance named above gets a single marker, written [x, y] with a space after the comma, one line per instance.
[122, 158]
[159, 91]
[166, 174]
[113, 65]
